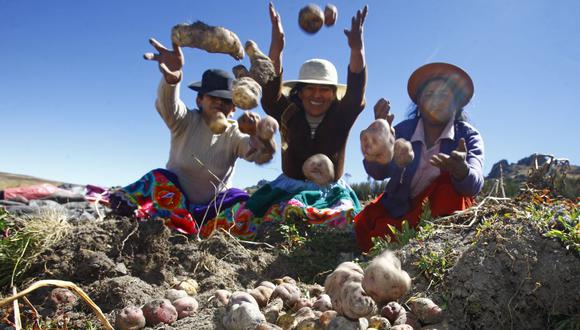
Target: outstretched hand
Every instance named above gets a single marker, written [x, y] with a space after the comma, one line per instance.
[170, 61]
[454, 163]
[355, 34]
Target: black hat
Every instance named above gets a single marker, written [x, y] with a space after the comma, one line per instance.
[216, 83]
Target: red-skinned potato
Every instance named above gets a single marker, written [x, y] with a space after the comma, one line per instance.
[288, 292]
[378, 142]
[62, 297]
[223, 296]
[323, 303]
[426, 310]
[384, 280]
[330, 14]
[185, 306]
[403, 153]
[159, 311]
[310, 18]
[130, 318]
[318, 169]
[392, 311]
[248, 122]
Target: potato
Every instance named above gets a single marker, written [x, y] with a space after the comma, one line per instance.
[285, 279]
[378, 141]
[174, 294]
[223, 296]
[62, 298]
[409, 319]
[354, 302]
[310, 18]
[185, 306]
[246, 93]
[343, 323]
[346, 271]
[239, 296]
[384, 280]
[323, 303]
[159, 311]
[262, 68]
[301, 303]
[319, 169]
[327, 317]
[273, 309]
[330, 15]
[403, 152]
[267, 127]
[188, 285]
[288, 292]
[316, 290]
[213, 39]
[218, 123]
[268, 326]
[242, 316]
[262, 294]
[130, 318]
[268, 284]
[392, 311]
[426, 310]
[402, 327]
[379, 323]
[240, 71]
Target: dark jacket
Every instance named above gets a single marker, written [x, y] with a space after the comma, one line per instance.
[331, 134]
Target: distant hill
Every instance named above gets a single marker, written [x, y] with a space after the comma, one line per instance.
[9, 180]
[516, 174]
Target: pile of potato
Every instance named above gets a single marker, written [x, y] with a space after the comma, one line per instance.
[352, 298]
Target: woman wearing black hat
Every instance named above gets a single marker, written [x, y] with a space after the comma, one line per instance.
[204, 148]
[447, 168]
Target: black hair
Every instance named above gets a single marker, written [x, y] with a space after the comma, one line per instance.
[458, 97]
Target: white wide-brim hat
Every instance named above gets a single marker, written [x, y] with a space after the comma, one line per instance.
[316, 71]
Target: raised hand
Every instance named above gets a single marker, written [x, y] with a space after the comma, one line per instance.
[382, 110]
[277, 42]
[454, 163]
[170, 61]
[355, 34]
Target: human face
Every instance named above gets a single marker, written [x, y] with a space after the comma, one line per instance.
[210, 105]
[317, 98]
[437, 103]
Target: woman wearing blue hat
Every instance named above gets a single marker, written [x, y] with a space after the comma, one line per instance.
[205, 145]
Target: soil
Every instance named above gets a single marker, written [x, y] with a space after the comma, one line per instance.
[499, 271]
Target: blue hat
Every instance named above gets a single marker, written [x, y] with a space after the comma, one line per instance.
[216, 83]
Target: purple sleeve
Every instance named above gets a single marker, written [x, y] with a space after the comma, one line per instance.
[471, 185]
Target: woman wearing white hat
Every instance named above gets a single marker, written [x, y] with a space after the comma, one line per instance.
[315, 114]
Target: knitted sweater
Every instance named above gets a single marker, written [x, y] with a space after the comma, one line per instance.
[191, 138]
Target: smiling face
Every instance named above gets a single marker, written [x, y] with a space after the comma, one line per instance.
[437, 103]
[317, 99]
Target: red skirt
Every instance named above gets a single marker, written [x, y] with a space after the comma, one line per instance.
[374, 219]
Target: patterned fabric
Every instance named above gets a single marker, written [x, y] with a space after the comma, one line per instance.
[158, 195]
[283, 199]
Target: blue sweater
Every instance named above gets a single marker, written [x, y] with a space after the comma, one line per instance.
[397, 196]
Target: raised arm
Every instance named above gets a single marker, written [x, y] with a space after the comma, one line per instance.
[356, 41]
[277, 43]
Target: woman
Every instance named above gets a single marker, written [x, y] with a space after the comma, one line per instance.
[315, 114]
[447, 170]
[196, 184]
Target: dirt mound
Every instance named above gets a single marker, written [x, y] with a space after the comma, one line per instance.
[490, 268]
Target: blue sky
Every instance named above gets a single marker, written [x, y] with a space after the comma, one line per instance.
[77, 98]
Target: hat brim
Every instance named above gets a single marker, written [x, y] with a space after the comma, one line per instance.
[221, 93]
[289, 84]
[431, 71]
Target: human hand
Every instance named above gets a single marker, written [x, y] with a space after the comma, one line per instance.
[382, 111]
[355, 34]
[277, 42]
[454, 163]
[170, 61]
